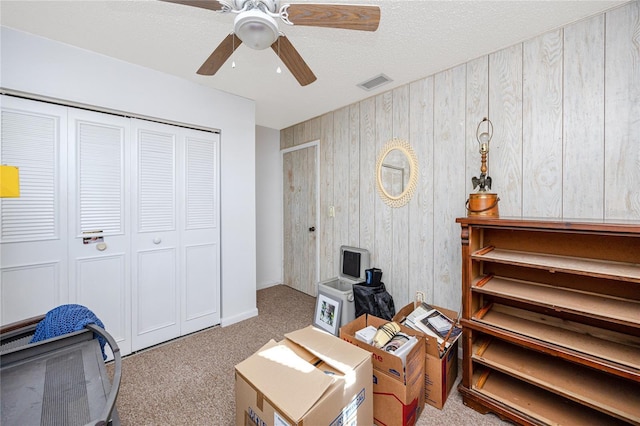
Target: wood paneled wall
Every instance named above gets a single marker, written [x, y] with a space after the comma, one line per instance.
[566, 113]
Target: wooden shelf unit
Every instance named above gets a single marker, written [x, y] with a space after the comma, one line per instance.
[551, 320]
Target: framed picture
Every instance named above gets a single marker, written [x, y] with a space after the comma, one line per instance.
[327, 315]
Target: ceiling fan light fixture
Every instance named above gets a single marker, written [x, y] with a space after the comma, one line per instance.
[256, 29]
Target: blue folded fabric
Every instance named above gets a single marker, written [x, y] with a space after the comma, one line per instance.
[66, 319]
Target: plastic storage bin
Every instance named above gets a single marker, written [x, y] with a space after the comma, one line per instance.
[344, 291]
[353, 263]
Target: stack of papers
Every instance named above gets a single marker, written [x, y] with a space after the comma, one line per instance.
[441, 325]
[366, 334]
[427, 319]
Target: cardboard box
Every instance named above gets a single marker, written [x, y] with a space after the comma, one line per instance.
[440, 373]
[398, 392]
[311, 378]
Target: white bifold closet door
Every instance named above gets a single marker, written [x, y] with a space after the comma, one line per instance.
[118, 214]
[99, 225]
[175, 232]
[33, 228]
[199, 215]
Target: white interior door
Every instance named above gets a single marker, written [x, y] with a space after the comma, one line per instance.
[99, 246]
[155, 267]
[33, 227]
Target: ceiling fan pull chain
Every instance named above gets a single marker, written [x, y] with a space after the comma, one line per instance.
[233, 61]
[278, 69]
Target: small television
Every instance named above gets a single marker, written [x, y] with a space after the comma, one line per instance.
[353, 262]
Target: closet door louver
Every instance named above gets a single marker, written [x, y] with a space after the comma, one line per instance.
[156, 193]
[101, 170]
[30, 142]
[201, 183]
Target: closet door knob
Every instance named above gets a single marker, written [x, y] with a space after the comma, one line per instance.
[157, 240]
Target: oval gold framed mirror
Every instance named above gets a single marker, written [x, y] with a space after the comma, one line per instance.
[397, 173]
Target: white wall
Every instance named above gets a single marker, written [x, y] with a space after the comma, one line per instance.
[46, 68]
[268, 207]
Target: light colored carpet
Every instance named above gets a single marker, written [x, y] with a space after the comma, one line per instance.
[190, 380]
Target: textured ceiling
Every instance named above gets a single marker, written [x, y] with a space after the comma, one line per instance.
[415, 39]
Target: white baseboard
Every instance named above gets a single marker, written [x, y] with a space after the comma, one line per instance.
[237, 318]
[261, 286]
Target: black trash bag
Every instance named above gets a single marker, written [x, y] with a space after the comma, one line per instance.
[373, 300]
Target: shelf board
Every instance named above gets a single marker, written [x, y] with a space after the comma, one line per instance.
[602, 307]
[535, 402]
[542, 328]
[518, 223]
[604, 392]
[553, 263]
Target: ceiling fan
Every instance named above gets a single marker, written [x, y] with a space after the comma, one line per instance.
[255, 25]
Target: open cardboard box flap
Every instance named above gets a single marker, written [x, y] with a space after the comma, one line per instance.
[339, 354]
[290, 372]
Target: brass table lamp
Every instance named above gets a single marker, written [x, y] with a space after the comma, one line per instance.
[483, 203]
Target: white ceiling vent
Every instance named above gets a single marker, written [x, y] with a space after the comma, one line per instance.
[375, 82]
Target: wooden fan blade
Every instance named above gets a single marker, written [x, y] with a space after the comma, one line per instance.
[204, 4]
[293, 61]
[349, 17]
[220, 55]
